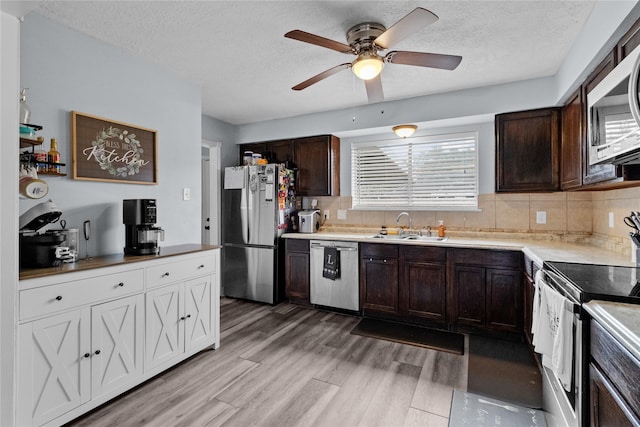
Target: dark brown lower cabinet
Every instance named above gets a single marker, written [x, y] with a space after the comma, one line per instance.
[379, 278]
[485, 289]
[423, 285]
[297, 270]
[608, 409]
[614, 378]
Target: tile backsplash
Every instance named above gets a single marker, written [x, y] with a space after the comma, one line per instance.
[566, 214]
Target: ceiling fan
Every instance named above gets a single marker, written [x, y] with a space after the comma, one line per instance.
[366, 40]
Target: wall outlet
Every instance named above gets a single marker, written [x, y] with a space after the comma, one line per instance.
[186, 194]
[611, 220]
[326, 214]
[541, 217]
[342, 214]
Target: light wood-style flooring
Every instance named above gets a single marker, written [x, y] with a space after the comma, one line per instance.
[293, 366]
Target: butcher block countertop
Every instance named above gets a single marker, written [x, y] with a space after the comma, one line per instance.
[111, 260]
[538, 249]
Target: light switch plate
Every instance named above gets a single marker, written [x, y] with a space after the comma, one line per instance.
[342, 214]
[611, 220]
[186, 194]
[541, 217]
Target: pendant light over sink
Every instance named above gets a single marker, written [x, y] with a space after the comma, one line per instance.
[404, 131]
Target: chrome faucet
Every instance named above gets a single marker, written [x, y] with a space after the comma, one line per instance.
[410, 222]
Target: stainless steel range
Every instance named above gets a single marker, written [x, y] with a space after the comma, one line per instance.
[580, 283]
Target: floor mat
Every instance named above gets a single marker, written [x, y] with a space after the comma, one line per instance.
[469, 409]
[505, 370]
[407, 334]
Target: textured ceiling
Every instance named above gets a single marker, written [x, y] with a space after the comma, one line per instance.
[235, 50]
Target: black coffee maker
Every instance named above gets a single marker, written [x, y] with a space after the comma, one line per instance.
[141, 232]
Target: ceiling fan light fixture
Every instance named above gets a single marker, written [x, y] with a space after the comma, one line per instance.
[367, 66]
[404, 131]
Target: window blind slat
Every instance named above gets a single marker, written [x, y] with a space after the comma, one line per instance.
[424, 172]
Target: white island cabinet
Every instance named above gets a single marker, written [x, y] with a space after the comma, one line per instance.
[89, 332]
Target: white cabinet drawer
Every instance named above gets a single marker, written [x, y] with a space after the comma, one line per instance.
[179, 271]
[49, 299]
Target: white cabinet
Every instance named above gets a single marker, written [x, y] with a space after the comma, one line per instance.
[84, 338]
[178, 319]
[117, 343]
[199, 312]
[53, 366]
[70, 358]
[164, 328]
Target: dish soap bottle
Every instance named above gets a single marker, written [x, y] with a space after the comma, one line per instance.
[441, 229]
[25, 111]
[54, 156]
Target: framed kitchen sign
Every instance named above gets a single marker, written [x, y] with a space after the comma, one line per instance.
[107, 150]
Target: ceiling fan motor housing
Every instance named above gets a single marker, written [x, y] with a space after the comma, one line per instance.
[362, 36]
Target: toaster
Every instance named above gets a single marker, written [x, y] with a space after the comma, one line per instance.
[308, 221]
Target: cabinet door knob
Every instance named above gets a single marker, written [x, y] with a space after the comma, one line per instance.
[121, 284]
[384, 260]
[59, 298]
[87, 355]
[97, 352]
[166, 274]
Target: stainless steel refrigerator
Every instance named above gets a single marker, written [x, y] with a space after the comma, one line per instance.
[255, 213]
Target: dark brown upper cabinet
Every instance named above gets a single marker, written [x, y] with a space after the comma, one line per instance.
[318, 161]
[628, 42]
[528, 151]
[571, 144]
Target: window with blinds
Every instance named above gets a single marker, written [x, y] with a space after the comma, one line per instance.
[428, 173]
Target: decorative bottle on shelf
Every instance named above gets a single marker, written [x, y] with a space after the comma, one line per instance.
[25, 111]
[54, 156]
[441, 229]
[40, 157]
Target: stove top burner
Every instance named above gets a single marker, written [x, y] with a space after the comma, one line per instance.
[605, 282]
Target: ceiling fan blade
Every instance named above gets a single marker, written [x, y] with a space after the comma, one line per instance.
[413, 22]
[374, 90]
[432, 60]
[303, 36]
[323, 75]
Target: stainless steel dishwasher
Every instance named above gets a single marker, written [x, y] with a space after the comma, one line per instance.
[343, 292]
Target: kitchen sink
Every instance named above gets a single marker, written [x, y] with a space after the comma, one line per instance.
[409, 237]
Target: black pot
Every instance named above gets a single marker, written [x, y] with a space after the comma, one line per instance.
[39, 250]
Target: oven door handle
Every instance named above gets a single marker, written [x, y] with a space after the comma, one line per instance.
[556, 277]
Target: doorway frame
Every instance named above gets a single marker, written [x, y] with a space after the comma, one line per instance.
[211, 197]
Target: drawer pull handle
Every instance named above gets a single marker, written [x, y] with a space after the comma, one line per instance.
[121, 284]
[166, 274]
[200, 266]
[87, 355]
[58, 298]
[97, 352]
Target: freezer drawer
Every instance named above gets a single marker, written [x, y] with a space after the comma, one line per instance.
[344, 291]
[249, 273]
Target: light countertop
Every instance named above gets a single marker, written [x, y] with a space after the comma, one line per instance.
[538, 250]
[620, 320]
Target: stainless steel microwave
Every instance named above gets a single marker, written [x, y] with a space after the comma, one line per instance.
[614, 115]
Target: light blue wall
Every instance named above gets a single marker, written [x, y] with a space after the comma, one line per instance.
[215, 130]
[66, 70]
